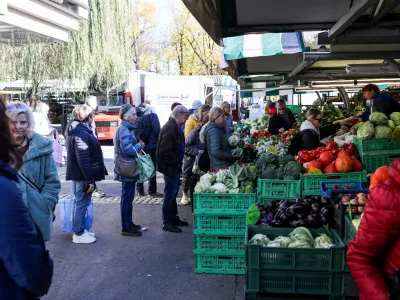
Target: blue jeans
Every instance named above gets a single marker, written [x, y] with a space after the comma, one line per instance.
[170, 207]
[82, 201]
[128, 194]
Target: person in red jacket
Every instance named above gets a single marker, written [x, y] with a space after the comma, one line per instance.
[375, 252]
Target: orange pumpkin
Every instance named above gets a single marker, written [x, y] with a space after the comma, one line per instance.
[343, 164]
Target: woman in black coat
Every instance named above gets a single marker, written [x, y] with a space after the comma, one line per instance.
[312, 132]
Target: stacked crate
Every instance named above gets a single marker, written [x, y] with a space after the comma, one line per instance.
[219, 232]
[376, 153]
[294, 273]
[275, 189]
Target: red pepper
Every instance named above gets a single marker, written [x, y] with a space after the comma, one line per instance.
[302, 153]
[307, 158]
[313, 153]
[320, 149]
[331, 146]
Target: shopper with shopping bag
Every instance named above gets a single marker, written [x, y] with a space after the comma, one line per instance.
[126, 170]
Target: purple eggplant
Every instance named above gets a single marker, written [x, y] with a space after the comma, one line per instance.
[325, 201]
[271, 207]
[275, 223]
[300, 215]
[326, 210]
[313, 220]
[315, 207]
[296, 208]
[301, 223]
[292, 223]
[323, 220]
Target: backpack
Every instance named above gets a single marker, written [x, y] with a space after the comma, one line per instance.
[142, 128]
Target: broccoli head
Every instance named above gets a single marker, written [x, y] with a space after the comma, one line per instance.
[270, 158]
[283, 160]
[268, 173]
[279, 173]
[290, 178]
[292, 168]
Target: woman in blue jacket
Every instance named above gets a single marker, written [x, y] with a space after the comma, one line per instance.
[127, 147]
[26, 269]
[38, 177]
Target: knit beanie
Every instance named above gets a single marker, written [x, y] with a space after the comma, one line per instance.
[124, 109]
[196, 104]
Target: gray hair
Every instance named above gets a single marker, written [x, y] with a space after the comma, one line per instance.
[92, 102]
[281, 102]
[214, 113]
[81, 113]
[42, 108]
[130, 112]
[179, 109]
[22, 108]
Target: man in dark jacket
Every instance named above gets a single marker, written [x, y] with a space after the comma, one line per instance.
[282, 120]
[170, 151]
[147, 129]
[383, 102]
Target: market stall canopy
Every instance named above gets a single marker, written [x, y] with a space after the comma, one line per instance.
[42, 20]
[227, 18]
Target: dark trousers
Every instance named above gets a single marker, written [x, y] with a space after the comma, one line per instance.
[170, 207]
[188, 184]
[153, 181]
[128, 194]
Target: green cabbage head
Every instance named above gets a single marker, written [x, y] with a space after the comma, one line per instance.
[396, 118]
[383, 132]
[366, 131]
[378, 118]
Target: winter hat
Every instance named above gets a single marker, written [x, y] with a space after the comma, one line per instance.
[269, 103]
[124, 109]
[140, 110]
[196, 104]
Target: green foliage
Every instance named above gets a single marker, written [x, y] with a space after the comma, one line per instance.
[100, 52]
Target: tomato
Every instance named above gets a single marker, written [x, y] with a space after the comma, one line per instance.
[335, 152]
[320, 149]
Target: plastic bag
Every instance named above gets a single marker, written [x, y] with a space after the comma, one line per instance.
[145, 167]
[67, 215]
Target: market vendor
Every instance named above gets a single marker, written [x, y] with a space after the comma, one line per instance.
[282, 120]
[312, 132]
[383, 102]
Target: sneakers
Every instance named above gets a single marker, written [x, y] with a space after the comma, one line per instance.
[89, 233]
[85, 238]
[184, 199]
[131, 232]
[156, 195]
[171, 228]
[98, 193]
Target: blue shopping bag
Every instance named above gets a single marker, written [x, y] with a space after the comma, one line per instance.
[67, 214]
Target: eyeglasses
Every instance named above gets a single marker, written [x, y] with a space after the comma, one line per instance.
[18, 106]
[283, 108]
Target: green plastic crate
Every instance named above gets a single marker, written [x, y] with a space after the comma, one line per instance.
[270, 296]
[210, 241]
[349, 230]
[208, 201]
[377, 146]
[220, 221]
[278, 189]
[306, 283]
[311, 184]
[237, 126]
[373, 162]
[219, 262]
[294, 259]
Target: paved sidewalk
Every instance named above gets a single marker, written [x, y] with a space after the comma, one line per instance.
[158, 265]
